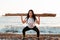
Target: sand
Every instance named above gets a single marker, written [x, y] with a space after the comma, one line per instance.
[7, 36]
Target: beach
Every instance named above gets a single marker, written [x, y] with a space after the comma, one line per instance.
[11, 36]
[11, 29]
[10, 32]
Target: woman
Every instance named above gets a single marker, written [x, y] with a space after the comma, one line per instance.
[30, 20]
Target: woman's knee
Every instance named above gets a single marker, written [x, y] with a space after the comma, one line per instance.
[37, 31]
[23, 30]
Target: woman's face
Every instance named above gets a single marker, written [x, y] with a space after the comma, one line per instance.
[30, 14]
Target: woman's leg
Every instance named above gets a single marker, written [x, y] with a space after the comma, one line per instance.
[24, 30]
[36, 29]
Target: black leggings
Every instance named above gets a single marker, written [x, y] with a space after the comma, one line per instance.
[27, 28]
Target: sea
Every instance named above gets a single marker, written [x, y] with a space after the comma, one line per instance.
[13, 24]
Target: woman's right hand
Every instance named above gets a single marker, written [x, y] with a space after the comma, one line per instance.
[21, 17]
[23, 21]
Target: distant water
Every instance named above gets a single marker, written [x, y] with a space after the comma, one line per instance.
[43, 30]
[16, 20]
[48, 25]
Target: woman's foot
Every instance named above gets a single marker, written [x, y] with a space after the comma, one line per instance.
[23, 38]
[38, 39]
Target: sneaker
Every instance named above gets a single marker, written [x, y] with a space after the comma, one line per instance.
[24, 39]
[38, 39]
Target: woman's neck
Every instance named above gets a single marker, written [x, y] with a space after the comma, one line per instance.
[30, 17]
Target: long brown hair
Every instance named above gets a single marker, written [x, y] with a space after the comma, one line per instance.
[33, 16]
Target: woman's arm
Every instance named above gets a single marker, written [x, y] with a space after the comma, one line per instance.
[38, 20]
[23, 21]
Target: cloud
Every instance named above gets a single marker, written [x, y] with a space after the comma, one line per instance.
[22, 6]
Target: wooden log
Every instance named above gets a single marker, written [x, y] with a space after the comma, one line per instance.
[22, 14]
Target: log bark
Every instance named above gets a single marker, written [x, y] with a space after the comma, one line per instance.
[25, 14]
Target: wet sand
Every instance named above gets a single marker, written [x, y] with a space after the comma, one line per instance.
[7, 36]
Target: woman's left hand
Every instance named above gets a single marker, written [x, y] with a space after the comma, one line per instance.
[38, 20]
[38, 17]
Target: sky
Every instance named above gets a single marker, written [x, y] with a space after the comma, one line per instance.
[22, 6]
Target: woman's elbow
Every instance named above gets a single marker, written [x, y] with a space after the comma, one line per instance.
[38, 23]
[23, 22]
